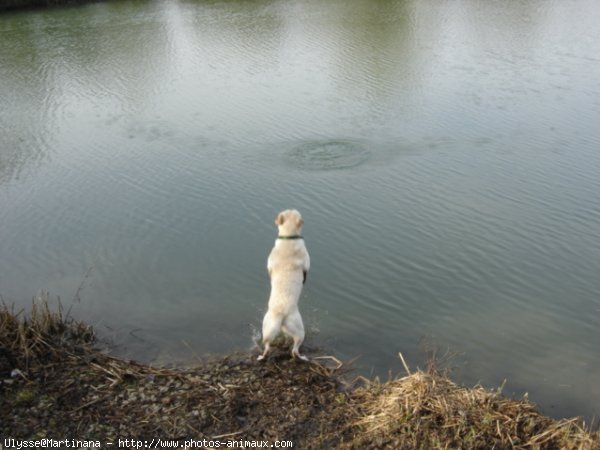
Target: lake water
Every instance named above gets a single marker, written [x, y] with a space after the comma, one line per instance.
[444, 154]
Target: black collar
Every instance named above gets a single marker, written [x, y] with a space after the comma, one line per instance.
[295, 236]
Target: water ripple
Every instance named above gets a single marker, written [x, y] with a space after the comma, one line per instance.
[330, 154]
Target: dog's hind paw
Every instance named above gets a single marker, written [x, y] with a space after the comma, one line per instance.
[300, 357]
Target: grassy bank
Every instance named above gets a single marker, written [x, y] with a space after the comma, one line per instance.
[7, 5]
[54, 383]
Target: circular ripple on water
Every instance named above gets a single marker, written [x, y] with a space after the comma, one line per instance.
[329, 154]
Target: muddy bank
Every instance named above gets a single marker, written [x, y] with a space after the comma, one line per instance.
[55, 384]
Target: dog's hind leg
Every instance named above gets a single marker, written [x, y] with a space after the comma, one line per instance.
[294, 327]
[264, 354]
[270, 330]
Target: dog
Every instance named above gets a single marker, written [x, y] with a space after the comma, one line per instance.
[288, 266]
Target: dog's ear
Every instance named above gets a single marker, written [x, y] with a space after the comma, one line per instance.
[279, 219]
[300, 222]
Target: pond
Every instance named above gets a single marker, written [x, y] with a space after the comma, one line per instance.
[444, 155]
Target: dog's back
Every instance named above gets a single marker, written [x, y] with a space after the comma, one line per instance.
[288, 265]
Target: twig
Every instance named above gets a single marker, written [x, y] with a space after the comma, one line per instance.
[79, 289]
[85, 405]
[404, 363]
[334, 359]
[191, 350]
[228, 434]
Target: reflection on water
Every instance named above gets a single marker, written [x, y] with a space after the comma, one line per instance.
[443, 154]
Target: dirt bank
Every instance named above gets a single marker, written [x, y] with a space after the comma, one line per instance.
[55, 384]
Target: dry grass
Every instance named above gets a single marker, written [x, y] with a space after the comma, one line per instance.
[427, 410]
[29, 339]
[54, 383]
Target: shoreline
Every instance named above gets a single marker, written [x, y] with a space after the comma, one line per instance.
[54, 383]
[23, 5]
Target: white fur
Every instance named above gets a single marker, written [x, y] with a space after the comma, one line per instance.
[288, 265]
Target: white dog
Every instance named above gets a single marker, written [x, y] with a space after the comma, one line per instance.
[288, 265]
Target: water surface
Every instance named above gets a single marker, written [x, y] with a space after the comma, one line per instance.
[444, 156]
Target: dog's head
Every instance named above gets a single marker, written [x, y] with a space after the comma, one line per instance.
[289, 222]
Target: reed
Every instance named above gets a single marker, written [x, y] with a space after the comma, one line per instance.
[38, 336]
